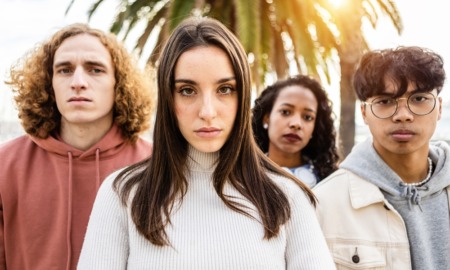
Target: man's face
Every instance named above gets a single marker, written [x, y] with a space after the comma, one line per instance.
[404, 133]
[83, 81]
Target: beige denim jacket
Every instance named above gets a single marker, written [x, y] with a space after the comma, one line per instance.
[362, 229]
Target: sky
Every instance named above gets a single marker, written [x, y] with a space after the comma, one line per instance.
[27, 22]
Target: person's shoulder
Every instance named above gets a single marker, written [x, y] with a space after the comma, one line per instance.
[15, 153]
[334, 179]
[16, 147]
[122, 175]
[287, 185]
[281, 180]
[143, 144]
[143, 141]
[137, 150]
[335, 183]
[15, 143]
[108, 185]
[440, 145]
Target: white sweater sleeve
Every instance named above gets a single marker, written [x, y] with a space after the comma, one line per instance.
[306, 246]
[106, 242]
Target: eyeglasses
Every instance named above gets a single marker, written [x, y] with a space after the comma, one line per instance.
[419, 104]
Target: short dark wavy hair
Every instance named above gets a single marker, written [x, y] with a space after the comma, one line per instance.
[321, 149]
[31, 80]
[401, 65]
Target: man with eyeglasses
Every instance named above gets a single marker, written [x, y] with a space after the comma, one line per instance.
[387, 207]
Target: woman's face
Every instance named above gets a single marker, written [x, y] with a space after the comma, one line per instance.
[205, 96]
[291, 121]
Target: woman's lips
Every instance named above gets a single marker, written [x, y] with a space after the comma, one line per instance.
[208, 132]
[292, 138]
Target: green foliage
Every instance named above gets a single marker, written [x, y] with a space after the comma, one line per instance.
[271, 30]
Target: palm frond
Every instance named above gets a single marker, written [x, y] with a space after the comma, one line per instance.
[151, 23]
[390, 8]
[179, 10]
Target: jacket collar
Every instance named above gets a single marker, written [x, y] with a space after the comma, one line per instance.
[363, 193]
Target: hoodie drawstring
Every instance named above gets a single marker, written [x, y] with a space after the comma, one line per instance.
[69, 214]
[412, 194]
[69, 203]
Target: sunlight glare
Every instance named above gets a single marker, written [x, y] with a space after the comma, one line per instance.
[336, 3]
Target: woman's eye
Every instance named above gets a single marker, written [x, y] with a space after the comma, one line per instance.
[285, 112]
[185, 91]
[225, 90]
[309, 118]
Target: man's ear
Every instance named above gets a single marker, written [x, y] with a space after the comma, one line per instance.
[440, 107]
[363, 112]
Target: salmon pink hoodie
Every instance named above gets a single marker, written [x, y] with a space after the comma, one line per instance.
[47, 189]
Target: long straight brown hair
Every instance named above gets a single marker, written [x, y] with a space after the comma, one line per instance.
[159, 181]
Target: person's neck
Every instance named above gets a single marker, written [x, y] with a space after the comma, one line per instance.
[83, 136]
[410, 168]
[283, 159]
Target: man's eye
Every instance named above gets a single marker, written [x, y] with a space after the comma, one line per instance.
[383, 101]
[97, 70]
[419, 98]
[64, 70]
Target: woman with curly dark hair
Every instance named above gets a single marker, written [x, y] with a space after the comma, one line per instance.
[293, 124]
[83, 103]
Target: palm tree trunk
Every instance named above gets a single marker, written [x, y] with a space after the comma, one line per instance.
[347, 111]
[350, 53]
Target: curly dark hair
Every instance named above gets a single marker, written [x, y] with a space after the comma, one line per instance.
[31, 80]
[401, 65]
[321, 149]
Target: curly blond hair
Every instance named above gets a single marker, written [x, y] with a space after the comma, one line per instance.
[31, 82]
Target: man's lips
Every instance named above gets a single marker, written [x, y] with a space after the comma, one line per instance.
[402, 135]
[78, 99]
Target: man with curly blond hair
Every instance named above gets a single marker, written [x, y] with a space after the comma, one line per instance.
[83, 103]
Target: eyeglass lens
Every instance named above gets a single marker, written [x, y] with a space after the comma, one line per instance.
[419, 104]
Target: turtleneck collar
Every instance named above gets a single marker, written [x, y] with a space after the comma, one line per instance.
[202, 161]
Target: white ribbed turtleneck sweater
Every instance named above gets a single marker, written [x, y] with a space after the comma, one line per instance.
[205, 234]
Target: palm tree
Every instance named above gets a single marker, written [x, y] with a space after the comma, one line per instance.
[281, 36]
[348, 20]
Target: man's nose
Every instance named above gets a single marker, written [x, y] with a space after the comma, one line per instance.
[79, 81]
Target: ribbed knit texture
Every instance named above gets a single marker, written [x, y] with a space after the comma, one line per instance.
[205, 233]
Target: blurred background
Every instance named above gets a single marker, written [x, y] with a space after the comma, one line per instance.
[323, 38]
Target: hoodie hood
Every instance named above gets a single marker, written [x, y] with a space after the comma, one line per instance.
[109, 145]
[365, 162]
[424, 209]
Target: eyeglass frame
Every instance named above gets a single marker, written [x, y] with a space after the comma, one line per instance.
[407, 104]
